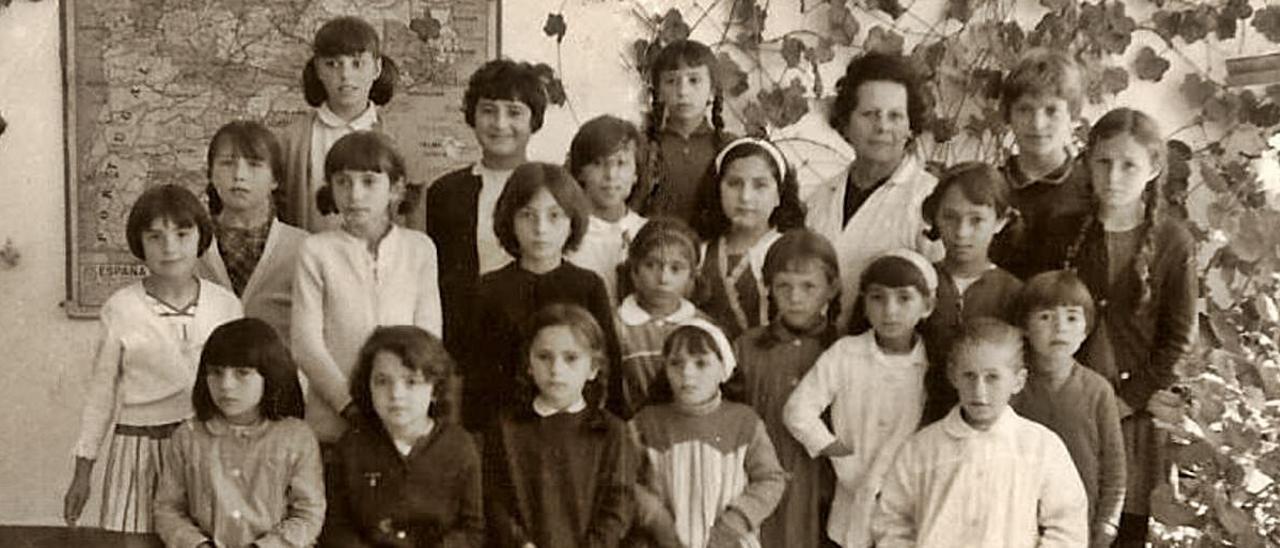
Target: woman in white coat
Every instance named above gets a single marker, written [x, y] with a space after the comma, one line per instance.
[874, 205]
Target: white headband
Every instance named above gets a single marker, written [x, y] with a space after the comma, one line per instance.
[921, 264]
[722, 343]
[771, 148]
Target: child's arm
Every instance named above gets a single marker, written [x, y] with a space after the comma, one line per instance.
[601, 308]
[305, 496]
[340, 528]
[307, 332]
[100, 402]
[1176, 319]
[803, 412]
[1064, 507]
[468, 529]
[501, 514]
[1111, 467]
[615, 495]
[171, 510]
[894, 523]
[652, 515]
[766, 480]
[428, 313]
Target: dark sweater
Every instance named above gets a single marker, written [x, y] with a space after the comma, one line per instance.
[1053, 209]
[1139, 350]
[430, 498]
[507, 300]
[565, 480]
[451, 222]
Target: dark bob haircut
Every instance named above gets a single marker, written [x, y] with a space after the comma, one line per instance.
[507, 80]
[252, 141]
[585, 330]
[250, 343]
[600, 137]
[419, 351]
[174, 203]
[980, 184]
[712, 221]
[1050, 290]
[348, 36]
[366, 151]
[880, 67]
[1046, 73]
[524, 183]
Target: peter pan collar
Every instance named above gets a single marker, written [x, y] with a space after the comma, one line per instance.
[365, 121]
[544, 410]
[632, 315]
[1004, 427]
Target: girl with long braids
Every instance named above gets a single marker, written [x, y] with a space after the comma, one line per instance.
[684, 131]
[1140, 267]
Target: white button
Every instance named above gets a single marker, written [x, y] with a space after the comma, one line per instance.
[235, 514]
[1124, 375]
[235, 473]
[401, 534]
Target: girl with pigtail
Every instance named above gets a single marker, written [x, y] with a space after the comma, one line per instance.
[1140, 266]
[684, 131]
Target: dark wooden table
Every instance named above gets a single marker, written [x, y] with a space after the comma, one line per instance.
[73, 537]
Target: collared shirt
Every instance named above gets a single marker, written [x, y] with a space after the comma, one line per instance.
[238, 485]
[544, 410]
[604, 247]
[488, 248]
[686, 166]
[1012, 485]
[327, 129]
[876, 400]
[640, 337]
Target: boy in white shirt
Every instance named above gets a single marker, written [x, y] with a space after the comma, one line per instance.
[983, 476]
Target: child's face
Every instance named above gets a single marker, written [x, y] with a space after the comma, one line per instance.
[561, 365]
[749, 193]
[365, 199]
[986, 377]
[879, 125]
[1120, 168]
[663, 277]
[1041, 124]
[694, 378]
[686, 92]
[170, 250]
[608, 180]
[243, 184]
[347, 79]
[401, 396]
[895, 311]
[236, 391]
[967, 228]
[503, 127]
[801, 293]
[542, 227]
[1056, 333]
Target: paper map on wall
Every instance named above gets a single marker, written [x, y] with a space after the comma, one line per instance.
[149, 81]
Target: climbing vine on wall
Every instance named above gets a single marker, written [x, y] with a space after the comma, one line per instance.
[1224, 177]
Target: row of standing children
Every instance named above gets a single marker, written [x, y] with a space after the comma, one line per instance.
[752, 193]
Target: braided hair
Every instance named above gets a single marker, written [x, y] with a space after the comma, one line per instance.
[676, 55]
[1144, 130]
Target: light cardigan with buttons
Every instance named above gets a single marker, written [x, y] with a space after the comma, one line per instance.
[237, 485]
[300, 182]
[889, 219]
[268, 295]
[142, 374]
[341, 293]
[1012, 485]
[876, 401]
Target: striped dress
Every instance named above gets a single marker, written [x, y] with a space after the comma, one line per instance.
[640, 338]
[700, 462]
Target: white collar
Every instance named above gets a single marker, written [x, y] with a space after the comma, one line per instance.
[364, 121]
[479, 170]
[544, 410]
[1004, 426]
[632, 314]
[630, 221]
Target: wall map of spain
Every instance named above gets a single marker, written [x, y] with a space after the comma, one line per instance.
[149, 81]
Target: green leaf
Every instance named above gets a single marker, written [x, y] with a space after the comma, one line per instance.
[1196, 24]
[1150, 65]
[555, 27]
[1115, 80]
[824, 52]
[427, 28]
[943, 129]
[960, 10]
[672, 27]
[844, 27]
[754, 119]
[733, 80]
[1196, 89]
[1166, 23]
[892, 7]
[743, 11]
[1056, 5]
[792, 50]
[1267, 22]
[884, 40]
[784, 106]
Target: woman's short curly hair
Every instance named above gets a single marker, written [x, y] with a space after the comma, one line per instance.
[880, 67]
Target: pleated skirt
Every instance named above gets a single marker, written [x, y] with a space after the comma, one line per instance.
[134, 462]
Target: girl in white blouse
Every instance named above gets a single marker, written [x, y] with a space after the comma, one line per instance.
[366, 273]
